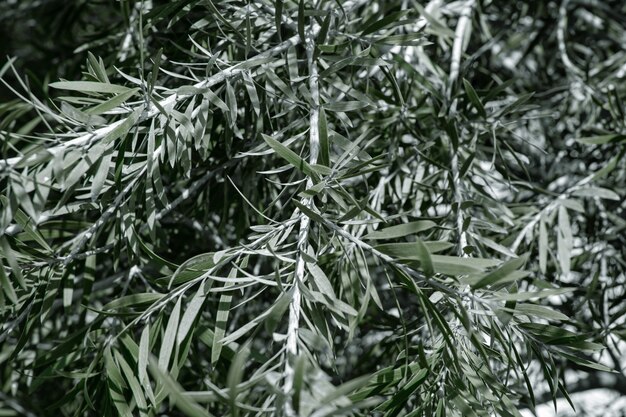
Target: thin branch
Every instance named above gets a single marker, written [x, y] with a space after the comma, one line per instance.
[458, 198]
[460, 42]
[305, 221]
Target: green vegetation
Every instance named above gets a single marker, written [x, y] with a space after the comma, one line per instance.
[279, 208]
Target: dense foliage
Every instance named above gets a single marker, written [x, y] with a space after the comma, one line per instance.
[320, 208]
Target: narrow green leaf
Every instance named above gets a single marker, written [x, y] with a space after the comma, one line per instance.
[27, 225]
[177, 395]
[493, 245]
[344, 106]
[609, 166]
[550, 334]
[252, 94]
[288, 155]
[540, 311]
[466, 166]
[597, 192]
[331, 302]
[221, 320]
[602, 139]
[191, 268]
[89, 87]
[132, 300]
[134, 384]
[500, 273]
[156, 65]
[346, 389]
[511, 108]
[8, 253]
[191, 312]
[280, 84]
[453, 265]
[121, 404]
[235, 375]
[530, 295]
[113, 372]
[543, 245]
[216, 13]
[98, 68]
[474, 99]
[323, 33]
[216, 101]
[437, 246]
[298, 382]
[231, 102]
[308, 212]
[278, 17]
[320, 280]
[314, 190]
[409, 39]
[424, 256]
[324, 144]
[379, 23]
[401, 230]
[301, 18]
[443, 264]
[78, 171]
[169, 337]
[100, 177]
[7, 286]
[564, 240]
[121, 129]
[277, 312]
[112, 103]
[144, 355]
[586, 363]
[153, 256]
[399, 399]
[292, 65]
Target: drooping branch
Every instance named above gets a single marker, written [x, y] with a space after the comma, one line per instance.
[460, 40]
[305, 223]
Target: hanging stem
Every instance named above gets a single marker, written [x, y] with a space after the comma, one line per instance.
[459, 40]
[303, 235]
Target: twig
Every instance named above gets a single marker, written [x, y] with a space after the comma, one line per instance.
[305, 221]
[458, 197]
[460, 42]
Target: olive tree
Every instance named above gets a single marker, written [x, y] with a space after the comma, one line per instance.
[312, 208]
